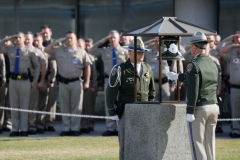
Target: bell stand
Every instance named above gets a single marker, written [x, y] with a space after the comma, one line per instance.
[160, 74]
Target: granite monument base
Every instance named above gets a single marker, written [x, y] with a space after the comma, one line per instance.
[156, 132]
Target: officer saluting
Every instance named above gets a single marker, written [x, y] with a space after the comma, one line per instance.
[71, 61]
[20, 59]
[202, 112]
[121, 84]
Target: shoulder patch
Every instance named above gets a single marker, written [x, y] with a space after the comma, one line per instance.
[189, 67]
[114, 71]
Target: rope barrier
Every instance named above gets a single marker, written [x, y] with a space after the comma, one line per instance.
[83, 116]
[53, 113]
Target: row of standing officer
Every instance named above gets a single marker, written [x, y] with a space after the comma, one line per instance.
[42, 98]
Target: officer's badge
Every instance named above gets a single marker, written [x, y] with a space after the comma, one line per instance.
[146, 75]
[189, 67]
[114, 71]
[25, 53]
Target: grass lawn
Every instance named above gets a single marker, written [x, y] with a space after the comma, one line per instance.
[85, 148]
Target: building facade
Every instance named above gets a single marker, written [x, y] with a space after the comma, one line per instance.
[95, 18]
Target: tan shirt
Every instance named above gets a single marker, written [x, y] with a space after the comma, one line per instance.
[106, 53]
[93, 78]
[188, 58]
[2, 69]
[70, 62]
[215, 53]
[27, 59]
[233, 57]
[51, 67]
[150, 58]
[41, 58]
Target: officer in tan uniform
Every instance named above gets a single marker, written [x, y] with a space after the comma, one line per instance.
[33, 105]
[7, 123]
[71, 61]
[90, 94]
[53, 87]
[21, 59]
[112, 55]
[50, 78]
[2, 89]
[89, 99]
[232, 54]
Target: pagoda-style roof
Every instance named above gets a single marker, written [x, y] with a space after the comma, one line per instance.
[168, 26]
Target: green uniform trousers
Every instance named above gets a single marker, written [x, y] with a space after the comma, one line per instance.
[110, 124]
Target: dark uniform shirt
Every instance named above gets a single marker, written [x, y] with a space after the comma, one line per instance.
[202, 80]
[125, 88]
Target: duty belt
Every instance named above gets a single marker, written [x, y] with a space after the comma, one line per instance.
[164, 80]
[22, 76]
[67, 80]
[235, 86]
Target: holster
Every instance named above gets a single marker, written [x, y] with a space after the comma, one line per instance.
[120, 108]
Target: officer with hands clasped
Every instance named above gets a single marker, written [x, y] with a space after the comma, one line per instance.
[121, 87]
[202, 111]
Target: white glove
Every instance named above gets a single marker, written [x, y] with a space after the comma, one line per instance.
[190, 117]
[115, 118]
[172, 75]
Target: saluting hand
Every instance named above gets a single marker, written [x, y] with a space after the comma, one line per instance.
[60, 40]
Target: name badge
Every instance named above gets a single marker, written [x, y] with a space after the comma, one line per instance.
[75, 61]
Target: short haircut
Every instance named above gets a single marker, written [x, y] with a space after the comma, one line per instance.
[45, 26]
[113, 31]
[20, 33]
[89, 40]
[29, 32]
[37, 35]
[70, 32]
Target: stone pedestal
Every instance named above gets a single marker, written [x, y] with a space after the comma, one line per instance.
[156, 132]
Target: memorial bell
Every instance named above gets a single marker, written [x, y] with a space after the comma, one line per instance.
[170, 48]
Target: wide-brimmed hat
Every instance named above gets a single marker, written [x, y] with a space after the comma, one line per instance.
[198, 37]
[140, 46]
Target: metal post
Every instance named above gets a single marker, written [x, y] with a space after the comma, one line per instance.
[160, 71]
[135, 68]
[178, 71]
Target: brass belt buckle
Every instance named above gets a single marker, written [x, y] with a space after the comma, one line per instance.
[19, 77]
